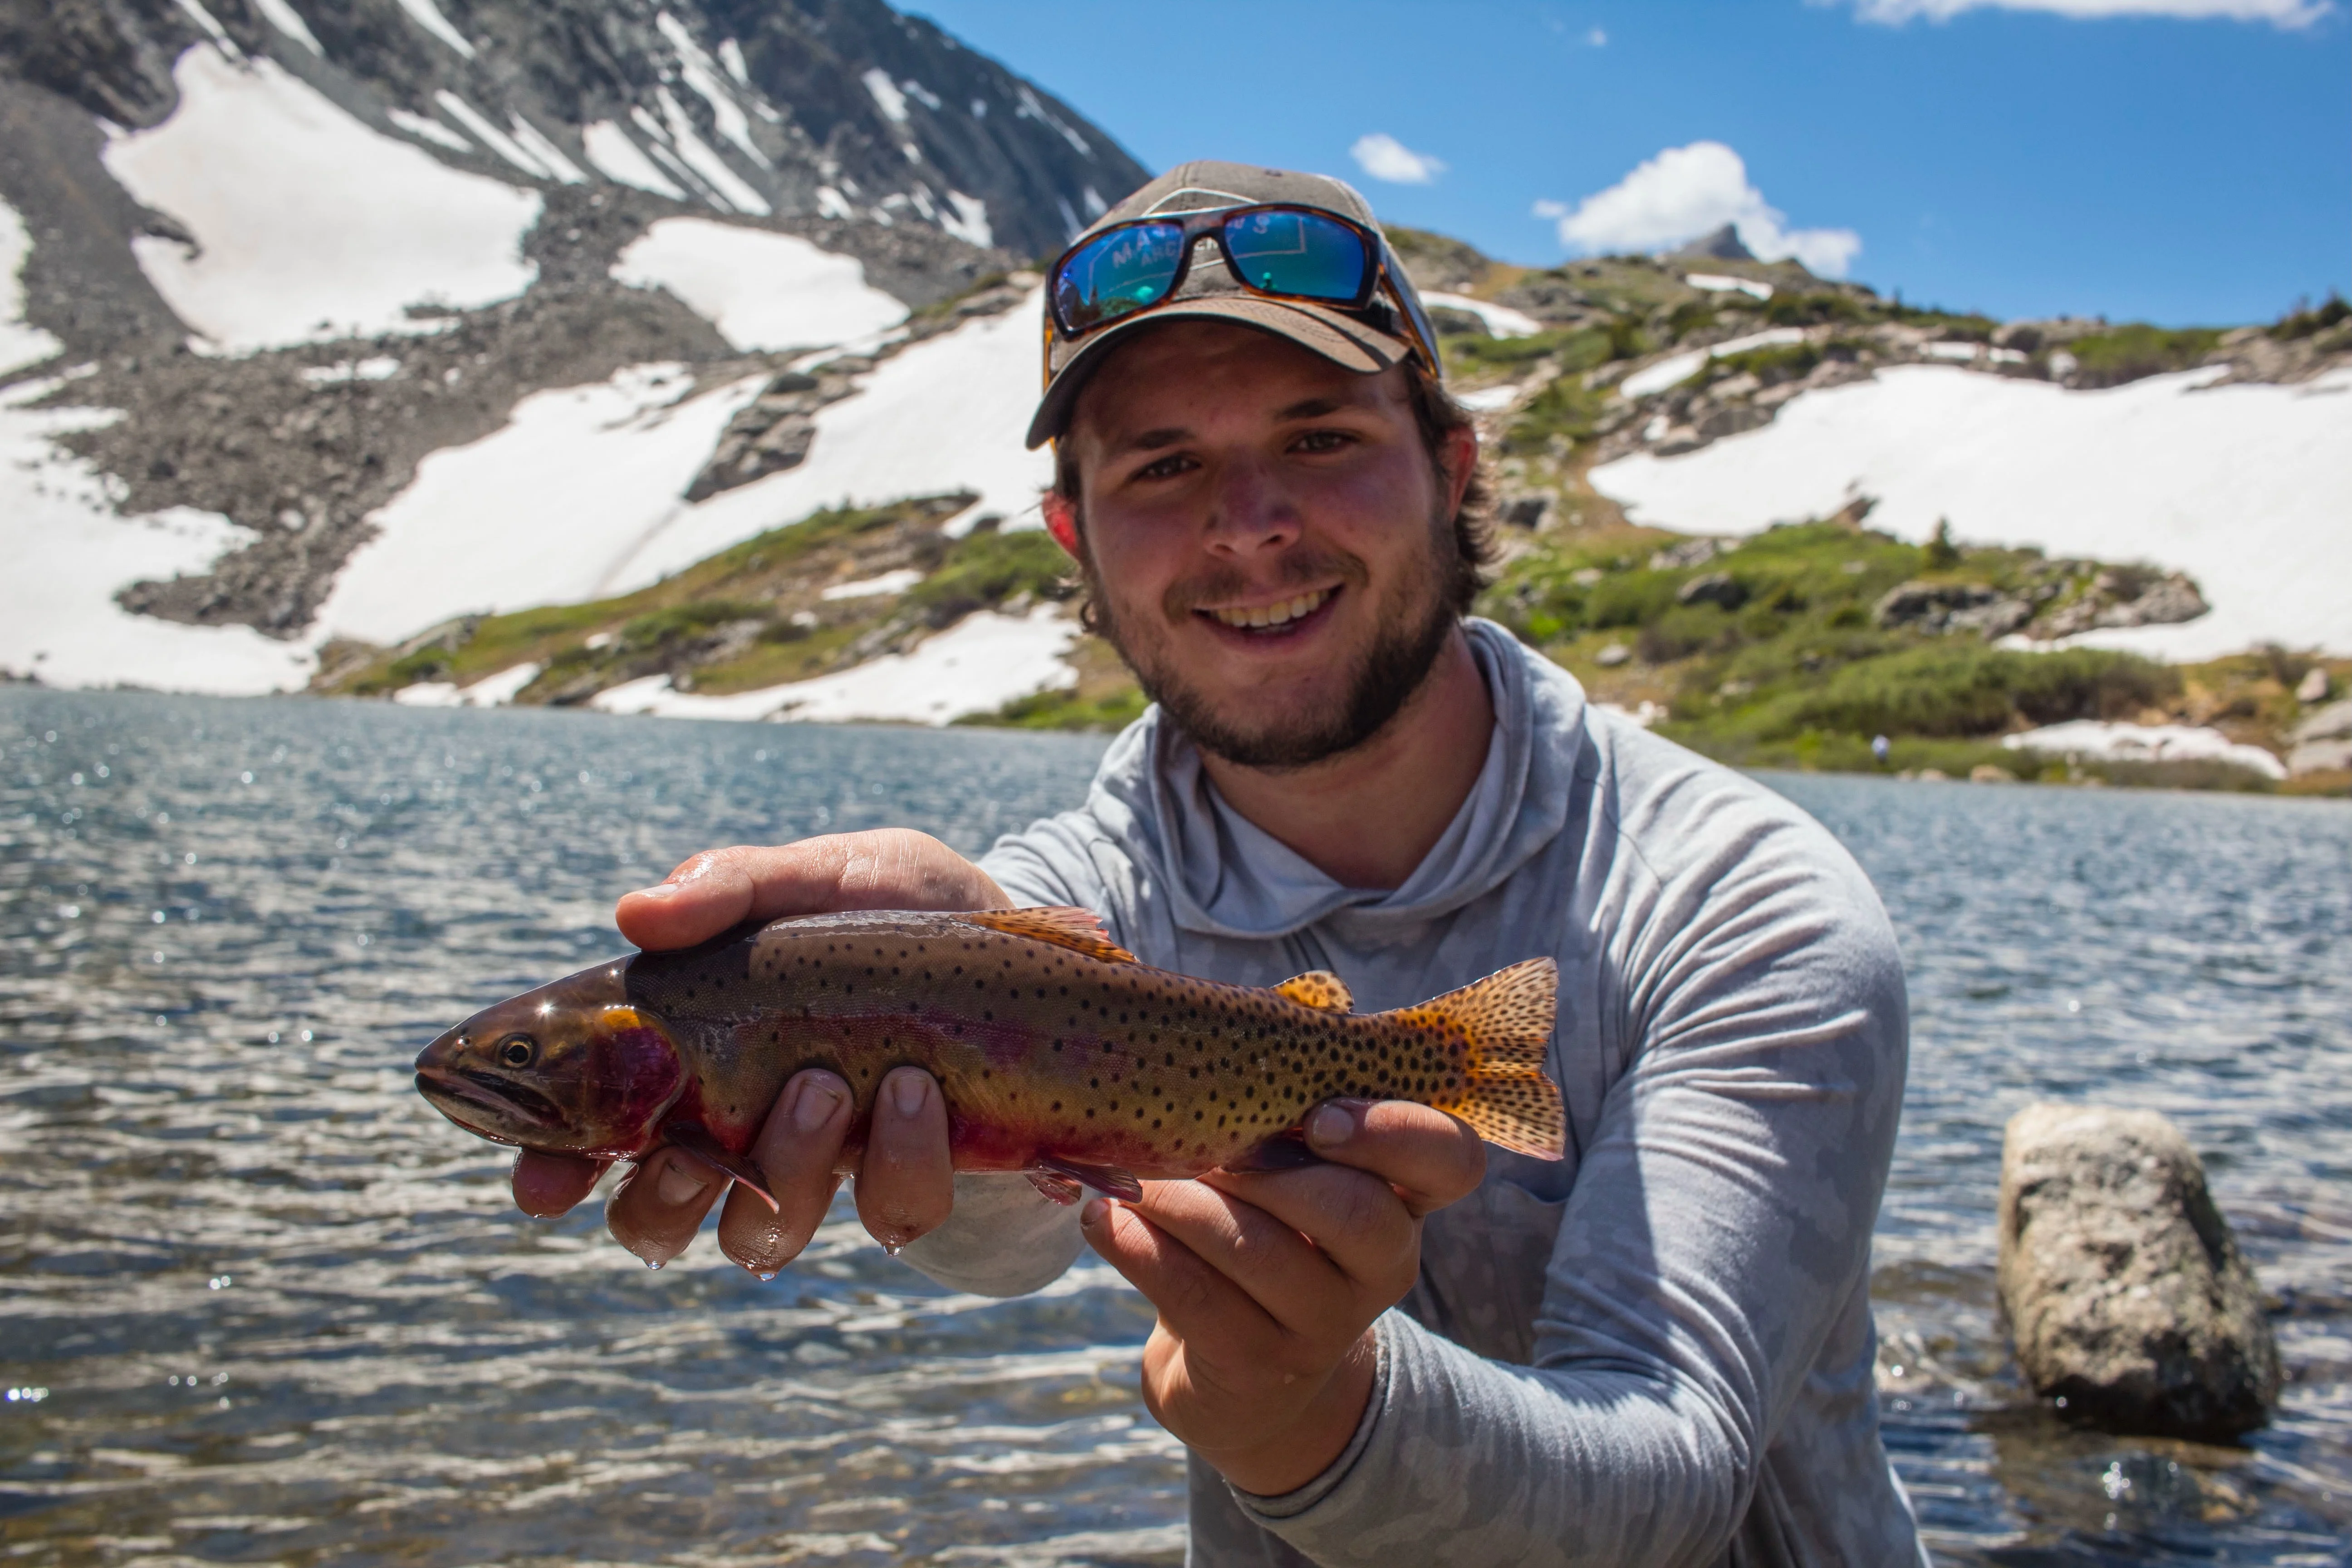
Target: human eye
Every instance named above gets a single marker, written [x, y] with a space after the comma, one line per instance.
[1315, 442]
[1167, 468]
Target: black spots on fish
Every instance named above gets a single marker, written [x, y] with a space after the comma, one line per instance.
[1057, 1045]
[1058, 1105]
[983, 1073]
[1090, 1113]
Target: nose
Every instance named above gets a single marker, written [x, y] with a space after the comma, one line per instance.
[442, 1054]
[1253, 513]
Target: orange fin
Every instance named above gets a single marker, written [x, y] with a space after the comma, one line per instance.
[1319, 988]
[1080, 931]
[1108, 1179]
[697, 1141]
[1061, 1189]
[1506, 1022]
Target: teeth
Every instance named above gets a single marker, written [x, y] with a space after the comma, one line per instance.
[1275, 615]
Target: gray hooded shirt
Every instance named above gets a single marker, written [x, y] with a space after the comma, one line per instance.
[1659, 1349]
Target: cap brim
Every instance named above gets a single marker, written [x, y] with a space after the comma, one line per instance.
[1346, 342]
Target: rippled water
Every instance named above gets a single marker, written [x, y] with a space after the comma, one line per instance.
[257, 1303]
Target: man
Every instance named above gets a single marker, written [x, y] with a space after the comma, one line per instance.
[1657, 1349]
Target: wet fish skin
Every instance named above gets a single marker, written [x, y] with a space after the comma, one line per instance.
[1056, 1052]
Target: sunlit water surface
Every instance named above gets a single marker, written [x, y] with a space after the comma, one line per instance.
[259, 1304]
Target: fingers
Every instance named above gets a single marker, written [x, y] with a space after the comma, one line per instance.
[1430, 1159]
[797, 1151]
[887, 869]
[905, 1185]
[1194, 1299]
[1244, 1249]
[660, 1205]
[546, 1185]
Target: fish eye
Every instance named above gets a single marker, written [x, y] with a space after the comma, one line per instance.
[518, 1050]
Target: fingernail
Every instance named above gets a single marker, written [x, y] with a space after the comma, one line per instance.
[679, 1183]
[907, 1092]
[1330, 1126]
[658, 890]
[818, 1103]
[1097, 1212]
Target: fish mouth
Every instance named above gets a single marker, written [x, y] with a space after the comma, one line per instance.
[486, 1091]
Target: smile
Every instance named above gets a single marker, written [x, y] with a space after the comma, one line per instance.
[1258, 616]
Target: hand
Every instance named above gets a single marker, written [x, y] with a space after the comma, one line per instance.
[905, 1186]
[1262, 1357]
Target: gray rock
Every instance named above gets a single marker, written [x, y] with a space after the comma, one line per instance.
[2319, 757]
[1613, 656]
[2313, 687]
[1525, 511]
[1690, 553]
[1931, 605]
[2332, 723]
[1723, 244]
[2126, 1296]
[1718, 588]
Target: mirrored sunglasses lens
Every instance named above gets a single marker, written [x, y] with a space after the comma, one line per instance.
[1126, 270]
[1299, 253]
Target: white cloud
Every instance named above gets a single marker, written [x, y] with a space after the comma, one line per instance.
[2278, 13]
[1383, 157]
[1685, 192]
[1597, 39]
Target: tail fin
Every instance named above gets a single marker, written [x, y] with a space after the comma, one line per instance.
[1506, 1020]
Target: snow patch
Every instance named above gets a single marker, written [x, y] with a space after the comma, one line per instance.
[377, 367]
[490, 136]
[1030, 108]
[544, 152]
[897, 582]
[492, 691]
[288, 21]
[2243, 487]
[970, 222]
[70, 552]
[1717, 283]
[427, 16]
[976, 665]
[1487, 399]
[427, 128]
[310, 225]
[1500, 319]
[2115, 743]
[538, 511]
[701, 72]
[1666, 373]
[725, 183]
[949, 413]
[730, 55]
[211, 25]
[619, 160]
[761, 290]
[20, 345]
[887, 96]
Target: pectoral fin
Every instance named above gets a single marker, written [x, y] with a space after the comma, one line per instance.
[698, 1143]
[1061, 1189]
[1108, 1179]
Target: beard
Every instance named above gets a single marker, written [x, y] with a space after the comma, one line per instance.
[1411, 623]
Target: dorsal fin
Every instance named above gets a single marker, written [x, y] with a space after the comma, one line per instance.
[1080, 931]
[1319, 988]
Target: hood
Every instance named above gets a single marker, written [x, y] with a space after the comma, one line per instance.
[1225, 877]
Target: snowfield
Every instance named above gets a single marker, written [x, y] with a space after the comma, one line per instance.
[540, 511]
[761, 290]
[308, 224]
[2143, 743]
[2246, 487]
[976, 665]
[20, 345]
[70, 552]
[945, 414]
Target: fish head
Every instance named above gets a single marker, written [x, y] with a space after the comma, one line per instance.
[573, 1067]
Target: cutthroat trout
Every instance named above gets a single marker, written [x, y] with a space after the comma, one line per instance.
[1059, 1054]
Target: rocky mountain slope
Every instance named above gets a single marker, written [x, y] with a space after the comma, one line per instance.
[674, 360]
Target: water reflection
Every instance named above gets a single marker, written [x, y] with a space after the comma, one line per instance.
[283, 1313]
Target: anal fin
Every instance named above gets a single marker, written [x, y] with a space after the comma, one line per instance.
[1319, 988]
[1064, 1190]
[697, 1141]
[1108, 1179]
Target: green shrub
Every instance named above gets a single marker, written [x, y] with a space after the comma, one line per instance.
[1771, 365]
[1567, 409]
[2304, 321]
[1967, 689]
[986, 569]
[2128, 353]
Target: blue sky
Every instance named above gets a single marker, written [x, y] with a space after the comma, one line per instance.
[2030, 158]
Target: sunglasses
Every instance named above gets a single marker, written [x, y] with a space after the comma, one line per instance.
[1278, 251]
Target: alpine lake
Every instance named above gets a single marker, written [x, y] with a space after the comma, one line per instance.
[259, 1303]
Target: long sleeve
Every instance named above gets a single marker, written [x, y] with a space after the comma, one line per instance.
[1712, 1257]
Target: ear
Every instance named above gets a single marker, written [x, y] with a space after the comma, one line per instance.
[1062, 522]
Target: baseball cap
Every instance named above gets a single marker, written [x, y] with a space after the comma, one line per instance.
[1364, 341]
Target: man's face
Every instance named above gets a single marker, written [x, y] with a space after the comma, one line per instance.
[1269, 544]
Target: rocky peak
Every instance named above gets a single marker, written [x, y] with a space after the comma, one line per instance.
[1723, 244]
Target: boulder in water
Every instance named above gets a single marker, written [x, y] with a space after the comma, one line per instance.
[2128, 1297]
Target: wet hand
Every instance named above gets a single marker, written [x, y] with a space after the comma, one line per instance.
[1266, 1285]
[905, 1186]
